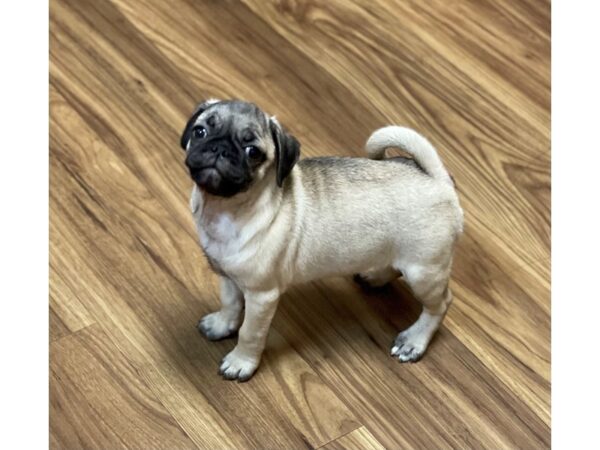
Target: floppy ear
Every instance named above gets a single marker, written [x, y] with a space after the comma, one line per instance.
[187, 131]
[287, 150]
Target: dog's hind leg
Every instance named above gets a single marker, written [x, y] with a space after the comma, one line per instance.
[377, 277]
[430, 287]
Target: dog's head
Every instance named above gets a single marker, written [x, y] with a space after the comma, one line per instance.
[232, 144]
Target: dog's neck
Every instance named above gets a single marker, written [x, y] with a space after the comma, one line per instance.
[223, 218]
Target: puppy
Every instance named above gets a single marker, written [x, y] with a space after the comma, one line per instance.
[266, 220]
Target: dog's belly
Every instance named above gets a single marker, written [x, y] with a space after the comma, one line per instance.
[340, 260]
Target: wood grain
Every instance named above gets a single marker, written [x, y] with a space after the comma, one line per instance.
[128, 281]
[57, 327]
[359, 439]
[99, 401]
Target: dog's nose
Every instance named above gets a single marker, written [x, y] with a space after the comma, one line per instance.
[226, 152]
[222, 150]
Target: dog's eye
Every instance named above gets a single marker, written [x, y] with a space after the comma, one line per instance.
[199, 132]
[252, 152]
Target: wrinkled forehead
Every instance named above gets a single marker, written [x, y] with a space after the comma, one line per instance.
[236, 115]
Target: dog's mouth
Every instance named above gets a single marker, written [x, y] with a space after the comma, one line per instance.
[208, 178]
[215, 182]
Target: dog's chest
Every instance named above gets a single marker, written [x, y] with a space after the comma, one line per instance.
[218, 231]
[220, 239]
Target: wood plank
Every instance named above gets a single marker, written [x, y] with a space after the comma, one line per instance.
[359, 439]
[98, 401]
[57, 328]
[504, 318]
[67, 312]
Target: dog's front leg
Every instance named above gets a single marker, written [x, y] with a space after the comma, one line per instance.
[226, 321]
[241, 363]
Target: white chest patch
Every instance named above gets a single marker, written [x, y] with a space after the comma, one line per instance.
[219, 233]
[218, 229]
[229, 236]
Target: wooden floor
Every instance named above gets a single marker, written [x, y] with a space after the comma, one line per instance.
[128, 281]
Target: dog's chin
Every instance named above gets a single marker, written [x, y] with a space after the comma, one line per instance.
[213, 182]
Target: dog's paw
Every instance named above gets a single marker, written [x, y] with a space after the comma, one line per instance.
[217, 326]
[236, 366]
[408, 347]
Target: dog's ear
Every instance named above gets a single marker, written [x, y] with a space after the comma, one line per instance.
[187, 131]
[287, 150]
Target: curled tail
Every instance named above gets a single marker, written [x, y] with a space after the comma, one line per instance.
[411, 142]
